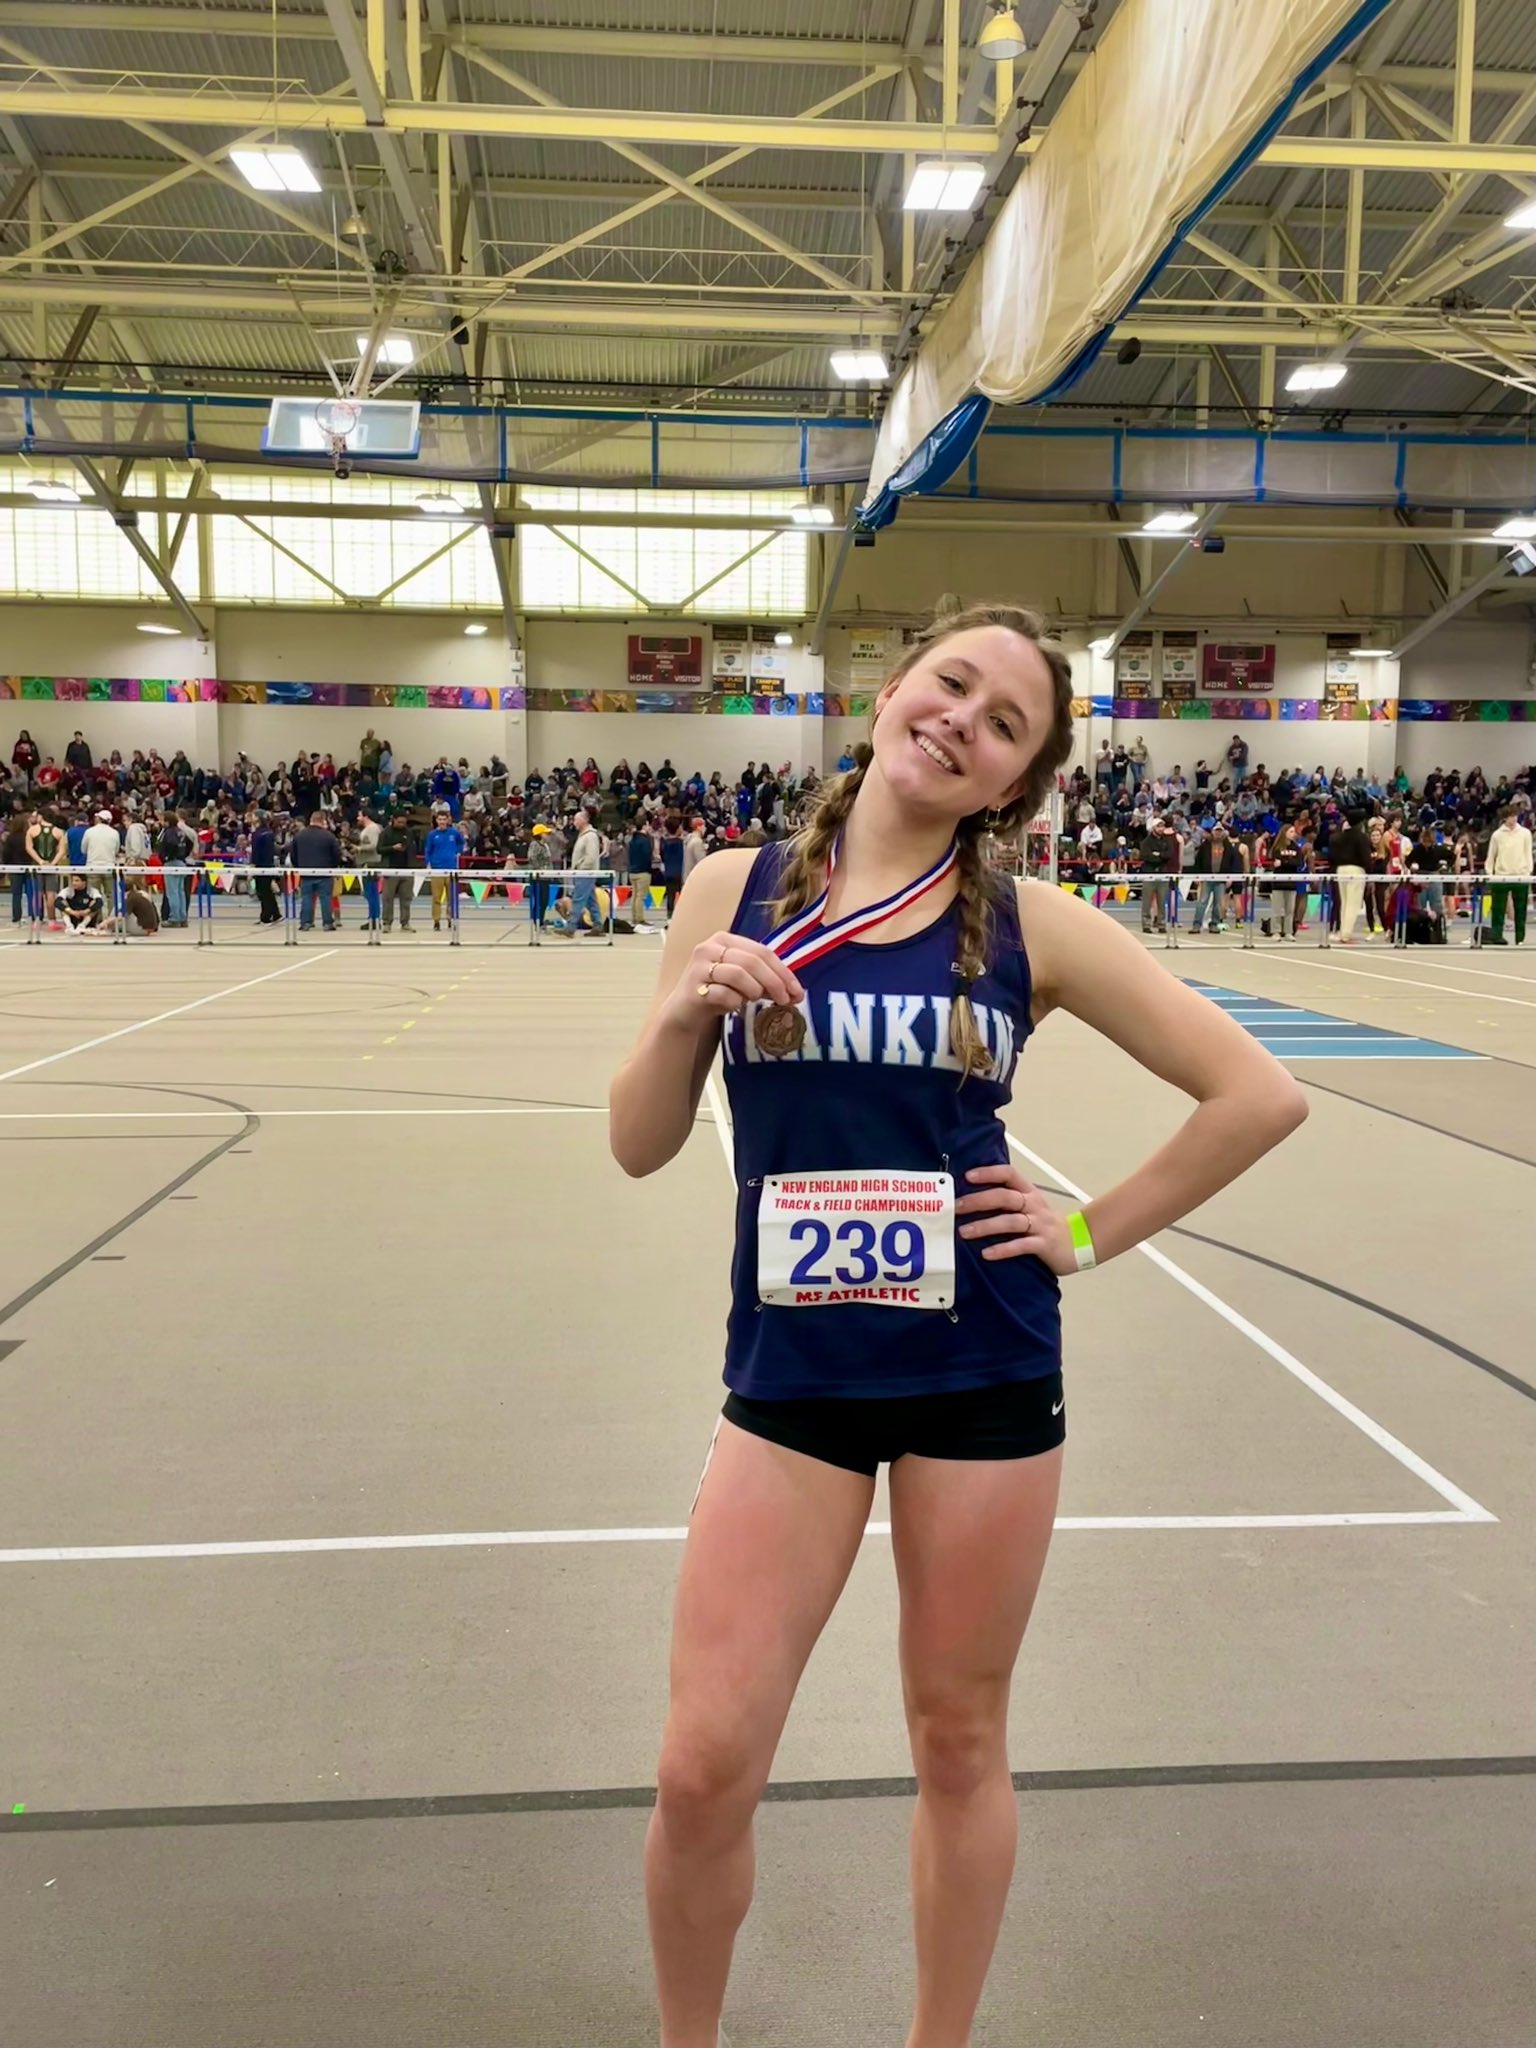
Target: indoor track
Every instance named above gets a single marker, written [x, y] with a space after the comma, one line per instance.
[353, 1402]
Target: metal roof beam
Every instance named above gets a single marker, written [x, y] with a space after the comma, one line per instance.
[57, 202]
[125, 514]
[1452, 606]
[368, 180]
[1376, 153]
[301, 114]
[1148, 598]
[666, 194]
[963, 517]
[669, 313]
[194, 163]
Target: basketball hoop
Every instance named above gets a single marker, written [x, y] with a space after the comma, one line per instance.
[337, 420]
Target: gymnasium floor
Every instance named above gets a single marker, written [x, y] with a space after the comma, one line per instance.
[340, 1511]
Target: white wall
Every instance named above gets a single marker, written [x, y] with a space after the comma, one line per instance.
[93, 640]
[1421, 748]
[256, 646]
[270, 733]
[690, 742]
[1471, 658]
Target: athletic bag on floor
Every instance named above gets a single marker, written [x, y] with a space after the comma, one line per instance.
[1424, 930]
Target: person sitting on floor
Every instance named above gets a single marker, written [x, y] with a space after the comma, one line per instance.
[80, 906]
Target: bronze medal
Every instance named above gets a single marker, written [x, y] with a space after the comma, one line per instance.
[779, 1031]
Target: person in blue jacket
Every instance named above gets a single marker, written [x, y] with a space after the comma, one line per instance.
[447, 787]
[441, 856]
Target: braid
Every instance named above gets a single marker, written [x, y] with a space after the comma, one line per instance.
[978, 886]
[805, 867]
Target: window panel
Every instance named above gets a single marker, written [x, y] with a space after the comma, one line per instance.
[667, 565]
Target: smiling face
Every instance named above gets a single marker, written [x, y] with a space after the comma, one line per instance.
[956, 733]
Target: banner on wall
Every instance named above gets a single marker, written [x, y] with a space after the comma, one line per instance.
[666, 661]
[1229, 666]
[1341, 672]
[1180, 662]
[1178, 690]
[1133, 663]
[870, 658]
[731, 654]
[1132, 692]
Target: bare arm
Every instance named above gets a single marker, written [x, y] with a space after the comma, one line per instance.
[1245, 1100]
[655, 1094]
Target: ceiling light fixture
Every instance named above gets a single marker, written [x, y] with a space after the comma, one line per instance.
[154, 626]
[942, 185]
[1317, 377]
[1170, 522]
[1002, 39]
[439, 505]
[1523, 216]
[1516, 529]
[476, 630]
[860, 365]
[783, 639]
[392, 348]
[812, 515]
[48, 492]
[274, 170]
[1374, 653]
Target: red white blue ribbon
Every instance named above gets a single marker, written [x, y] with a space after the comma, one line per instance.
[804, 938]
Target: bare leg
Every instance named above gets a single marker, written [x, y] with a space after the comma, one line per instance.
[773, 1539]
[971, 1542]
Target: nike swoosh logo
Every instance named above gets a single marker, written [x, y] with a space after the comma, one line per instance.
[1059, 1405]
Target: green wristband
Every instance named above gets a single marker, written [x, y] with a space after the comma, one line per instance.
[1082, 1241]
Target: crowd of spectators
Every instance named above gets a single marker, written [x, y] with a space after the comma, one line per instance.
[1396, 851]
[78, 822]
[162, 819]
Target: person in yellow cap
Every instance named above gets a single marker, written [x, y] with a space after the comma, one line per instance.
[538, 890]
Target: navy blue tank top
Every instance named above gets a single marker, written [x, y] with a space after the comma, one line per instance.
[876, 1086]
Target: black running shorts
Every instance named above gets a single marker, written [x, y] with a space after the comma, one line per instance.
[1019, 1419]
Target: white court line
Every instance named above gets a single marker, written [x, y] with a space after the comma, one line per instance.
[1467, 1508]
[127, 1030]
[1483, 973]
[496, 1539]
[103, 1116]
[1463, 1509]
[1472, 995]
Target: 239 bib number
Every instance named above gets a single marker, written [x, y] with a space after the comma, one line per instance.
[872, 1237]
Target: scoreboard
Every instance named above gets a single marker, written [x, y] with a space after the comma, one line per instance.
[1229, 670]
[665, 662]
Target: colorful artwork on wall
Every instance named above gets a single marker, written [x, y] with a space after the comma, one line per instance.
[831, 704]
[206, 690]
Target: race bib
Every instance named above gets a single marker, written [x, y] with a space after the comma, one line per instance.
[881, 1238]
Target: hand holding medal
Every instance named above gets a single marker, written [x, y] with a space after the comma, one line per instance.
[728, 971]
[780, 1032]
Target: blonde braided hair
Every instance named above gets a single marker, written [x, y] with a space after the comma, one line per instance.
[804, 871]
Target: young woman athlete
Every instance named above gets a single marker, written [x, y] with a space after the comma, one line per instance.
[895, 1280]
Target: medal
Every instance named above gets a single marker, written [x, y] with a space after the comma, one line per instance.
[780, 1030]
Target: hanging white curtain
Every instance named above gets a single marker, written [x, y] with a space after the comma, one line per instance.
[1166, 110]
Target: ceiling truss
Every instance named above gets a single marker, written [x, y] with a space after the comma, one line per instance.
[409, 101]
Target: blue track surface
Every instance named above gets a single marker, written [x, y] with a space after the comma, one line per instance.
[1292, 1034]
